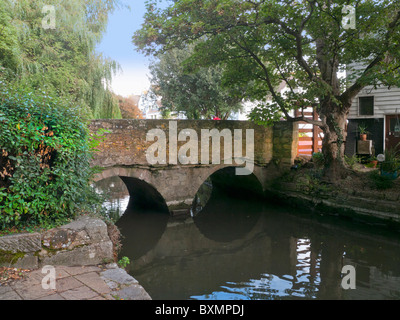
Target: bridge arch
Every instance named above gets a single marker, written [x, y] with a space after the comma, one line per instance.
[146, 210]
[220, 209]
[140, 186]
[178, 185]
[144, 195]
[225, 177]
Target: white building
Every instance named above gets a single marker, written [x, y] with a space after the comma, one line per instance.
[379, 110]
[150, 105]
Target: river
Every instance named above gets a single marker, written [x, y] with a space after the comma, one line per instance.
[250, 250]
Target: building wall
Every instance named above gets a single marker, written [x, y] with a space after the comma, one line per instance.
[386, 101]
[376, 134]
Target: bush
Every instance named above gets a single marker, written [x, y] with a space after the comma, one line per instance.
[318, 159]
[380, 182]
[45, 159]
[392, 160]
[351, 161]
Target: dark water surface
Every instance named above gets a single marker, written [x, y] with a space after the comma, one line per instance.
[238, 249]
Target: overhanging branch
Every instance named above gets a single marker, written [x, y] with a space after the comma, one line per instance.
[358, 85]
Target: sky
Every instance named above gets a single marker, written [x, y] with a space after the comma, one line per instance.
[117, 45]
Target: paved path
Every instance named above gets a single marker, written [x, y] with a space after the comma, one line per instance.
[76, 283]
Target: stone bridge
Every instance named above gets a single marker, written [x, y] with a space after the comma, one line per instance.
[164, 162]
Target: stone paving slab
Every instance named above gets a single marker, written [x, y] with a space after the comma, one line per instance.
[92, 280]
[80, 293]
[7, 293]
[77, 283]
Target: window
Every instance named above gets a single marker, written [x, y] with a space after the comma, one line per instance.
[366, 106]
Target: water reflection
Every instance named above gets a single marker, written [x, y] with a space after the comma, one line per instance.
[116, 196]
[251, 250]
[143, 228]
[225, 221]
[283, 256]
[137, 210]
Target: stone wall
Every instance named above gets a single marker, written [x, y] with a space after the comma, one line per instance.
[81, 242]
[367, 206]
[125, 140]
[285, 143]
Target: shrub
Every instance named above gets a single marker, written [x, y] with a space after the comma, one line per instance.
[392, 160]
[318, 159]
[45, 159]
[380, 182]
[351, 161]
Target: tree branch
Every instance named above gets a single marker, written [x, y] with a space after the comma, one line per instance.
[353, 90]
[317, 123]
[267, 77]
[298, 37]
[357, 86]
[284, 78]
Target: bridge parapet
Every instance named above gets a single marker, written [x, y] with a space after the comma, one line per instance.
[126, 142]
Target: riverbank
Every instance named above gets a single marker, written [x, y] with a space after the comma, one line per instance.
[80, 258]
[362, 195]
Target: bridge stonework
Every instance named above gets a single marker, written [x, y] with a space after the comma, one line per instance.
[123, 153]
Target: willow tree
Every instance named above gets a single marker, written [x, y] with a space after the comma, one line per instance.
[56, 51]
[302, 43]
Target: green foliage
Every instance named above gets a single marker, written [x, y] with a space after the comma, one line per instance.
[61, 61]
[362, 128]
[392, 160]
[124, 262]
[318, 159]
[266, 43]
[198, 92]
[380, 182]
[97, 138]
[45, 155]
[265, 114]
[264, 46]
[311, 183]
[351, 161]
[9, 51]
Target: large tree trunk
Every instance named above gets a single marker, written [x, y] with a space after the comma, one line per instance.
[333, 112]
[334, 118]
